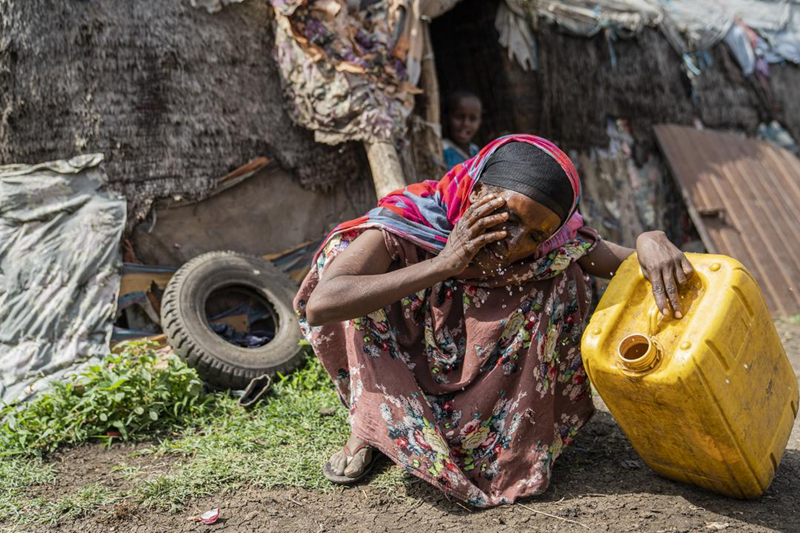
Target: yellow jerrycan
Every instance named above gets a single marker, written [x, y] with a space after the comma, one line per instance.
[709, 399]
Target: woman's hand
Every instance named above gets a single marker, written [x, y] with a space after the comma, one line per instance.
[665, 267]
[470, 234]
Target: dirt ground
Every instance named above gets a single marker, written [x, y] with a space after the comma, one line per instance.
[599, 485]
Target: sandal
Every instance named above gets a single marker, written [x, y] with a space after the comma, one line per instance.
[347, 480]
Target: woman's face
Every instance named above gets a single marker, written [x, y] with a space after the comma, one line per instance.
[529, 225]
[465, 120]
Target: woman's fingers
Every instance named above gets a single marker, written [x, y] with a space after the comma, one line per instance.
[486, 238]
[487, 222]
[687, 267]
[484, 207]
[666, 268]
[659, 292]
[665, 291]
[671, 289]
[482, 201]
[680, 276]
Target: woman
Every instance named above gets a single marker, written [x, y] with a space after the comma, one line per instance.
[450, 320]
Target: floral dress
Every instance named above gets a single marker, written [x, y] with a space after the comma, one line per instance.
[475, 387]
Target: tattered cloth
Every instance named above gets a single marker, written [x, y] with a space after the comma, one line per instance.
[344, 75]
[689, 25]
[474, 386]
[59, 270]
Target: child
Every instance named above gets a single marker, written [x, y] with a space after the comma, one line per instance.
[463, 121]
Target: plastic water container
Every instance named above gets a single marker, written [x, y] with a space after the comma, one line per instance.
[709, 399]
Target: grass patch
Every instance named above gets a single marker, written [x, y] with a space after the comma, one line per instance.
[283, 442]
[18, 474]
[41, 511]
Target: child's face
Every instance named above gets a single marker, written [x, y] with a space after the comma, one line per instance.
[465, 120]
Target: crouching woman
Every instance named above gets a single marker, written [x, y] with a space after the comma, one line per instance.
[450, 320]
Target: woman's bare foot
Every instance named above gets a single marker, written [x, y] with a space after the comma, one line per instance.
[342, 464]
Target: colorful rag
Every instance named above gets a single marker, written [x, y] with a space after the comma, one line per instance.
[425, 213]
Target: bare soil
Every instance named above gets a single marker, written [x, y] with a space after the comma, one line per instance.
[599, 485]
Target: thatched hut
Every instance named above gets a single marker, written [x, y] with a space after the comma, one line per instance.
[177, 98]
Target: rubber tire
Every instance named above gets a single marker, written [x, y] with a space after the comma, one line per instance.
[218, 362]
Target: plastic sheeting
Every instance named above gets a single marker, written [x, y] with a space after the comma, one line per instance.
[59, 270]
[706, 22]
[689, 25]
[516, 34]
[785, 44]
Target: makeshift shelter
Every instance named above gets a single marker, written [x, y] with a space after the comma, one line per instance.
[173, 96]
[599, 75]
[343, 97]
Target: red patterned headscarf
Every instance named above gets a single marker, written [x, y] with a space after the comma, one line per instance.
[426, 212]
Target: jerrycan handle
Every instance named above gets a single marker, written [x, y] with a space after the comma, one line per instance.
[654, 320]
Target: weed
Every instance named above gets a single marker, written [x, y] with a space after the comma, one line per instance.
[284, 441]
[128, 472]
[127, 394]
[43, 511]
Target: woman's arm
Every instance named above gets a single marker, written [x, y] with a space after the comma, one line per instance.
[662, 263]
[604, 260]
[358, 282]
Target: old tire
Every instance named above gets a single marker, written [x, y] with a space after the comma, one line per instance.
[218, 362]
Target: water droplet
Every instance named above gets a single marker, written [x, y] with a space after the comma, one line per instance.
[503, 306]
[592, 263]
[728, 381]
[745, 366]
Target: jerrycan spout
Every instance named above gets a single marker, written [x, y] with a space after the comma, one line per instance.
[638, 353]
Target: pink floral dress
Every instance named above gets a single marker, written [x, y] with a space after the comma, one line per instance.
[475, 387]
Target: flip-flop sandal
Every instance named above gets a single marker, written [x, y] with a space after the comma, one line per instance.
[347, 480]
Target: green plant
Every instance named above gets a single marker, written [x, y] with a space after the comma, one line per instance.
[126, 394]
[216, 446]
[284, 441]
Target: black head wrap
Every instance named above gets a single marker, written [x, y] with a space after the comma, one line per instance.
[528, 170]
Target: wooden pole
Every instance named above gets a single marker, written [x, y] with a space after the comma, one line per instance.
[428, 79]
[384, 161]
[387, 173]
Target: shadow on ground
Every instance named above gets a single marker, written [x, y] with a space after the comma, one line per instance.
[602, 466]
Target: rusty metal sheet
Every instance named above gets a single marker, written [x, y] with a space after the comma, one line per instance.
[744, 198]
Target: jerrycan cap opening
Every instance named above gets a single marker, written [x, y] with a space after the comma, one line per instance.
[638, 353]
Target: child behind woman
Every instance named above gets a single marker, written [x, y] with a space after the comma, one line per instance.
[463, 121]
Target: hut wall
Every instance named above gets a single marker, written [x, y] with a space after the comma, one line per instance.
[577, 95]
[577, 87]
[173, 96]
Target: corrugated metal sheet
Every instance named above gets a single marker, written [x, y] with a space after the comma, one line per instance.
[744, 198]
